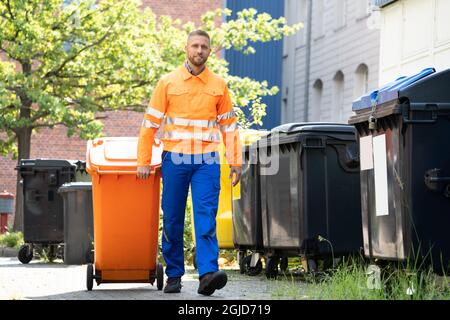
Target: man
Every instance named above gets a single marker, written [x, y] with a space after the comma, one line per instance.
[191, 108]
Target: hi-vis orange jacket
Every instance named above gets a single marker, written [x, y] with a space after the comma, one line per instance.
[190, 112]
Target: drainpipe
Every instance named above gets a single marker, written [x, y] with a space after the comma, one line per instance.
[224, 19]
[308, 59]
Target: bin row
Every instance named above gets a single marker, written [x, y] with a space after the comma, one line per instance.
[314, 190]
[383, 183]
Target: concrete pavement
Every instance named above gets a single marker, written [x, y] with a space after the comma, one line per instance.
[43, 281]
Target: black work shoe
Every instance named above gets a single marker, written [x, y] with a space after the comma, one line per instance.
[211, 282]
[173, 285]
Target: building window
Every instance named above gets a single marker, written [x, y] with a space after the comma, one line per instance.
[317, 100]
[361, 80]
[338, 95]
[340, 13]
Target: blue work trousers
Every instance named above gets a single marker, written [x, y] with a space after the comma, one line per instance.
[202, 172]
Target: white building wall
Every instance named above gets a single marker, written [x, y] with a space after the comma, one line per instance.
[338, 48]
[415, 34]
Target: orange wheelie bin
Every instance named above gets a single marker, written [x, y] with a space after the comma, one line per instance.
[126, 213]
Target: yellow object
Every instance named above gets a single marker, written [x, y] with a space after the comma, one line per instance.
[224, 223]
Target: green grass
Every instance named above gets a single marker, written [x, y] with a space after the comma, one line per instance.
[349, 281]
[12, 239]
[288, 286]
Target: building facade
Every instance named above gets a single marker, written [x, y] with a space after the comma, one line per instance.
[333, 60]
[265, 64]
[415, 34]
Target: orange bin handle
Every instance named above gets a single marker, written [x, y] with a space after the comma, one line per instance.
[121, 172]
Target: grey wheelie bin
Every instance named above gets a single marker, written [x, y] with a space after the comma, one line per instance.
[403, 129]
[78, 222]
[310, 194]
[43, 216]
[247, 225]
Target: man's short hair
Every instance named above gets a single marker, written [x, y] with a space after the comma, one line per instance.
[199, 33]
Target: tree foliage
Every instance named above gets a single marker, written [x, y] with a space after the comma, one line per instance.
[62, 64]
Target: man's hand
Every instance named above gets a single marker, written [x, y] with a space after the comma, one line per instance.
[237, 172]
[143, 172]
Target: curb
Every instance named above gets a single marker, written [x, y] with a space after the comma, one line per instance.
[8, 252]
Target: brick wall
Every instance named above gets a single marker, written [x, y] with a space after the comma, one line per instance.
[55, 143]
[186, 10]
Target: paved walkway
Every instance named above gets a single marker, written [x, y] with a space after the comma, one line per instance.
[39, 280]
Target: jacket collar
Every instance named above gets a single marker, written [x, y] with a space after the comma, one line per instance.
[187, 75]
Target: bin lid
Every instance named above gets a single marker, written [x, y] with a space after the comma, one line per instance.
[117, 154]
[297, 127]
[48, 163]
[72, 186]
[389, 91]
[423, 93]
[295, 132]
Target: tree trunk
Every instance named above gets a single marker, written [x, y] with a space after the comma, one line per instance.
[24, 144]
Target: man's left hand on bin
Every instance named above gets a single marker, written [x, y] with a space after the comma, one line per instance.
[143, 172]
[237, 172]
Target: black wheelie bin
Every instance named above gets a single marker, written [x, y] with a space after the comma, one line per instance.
[310, 194]
[78, 222]
[43, 215]
[403, 129]
[247, 225]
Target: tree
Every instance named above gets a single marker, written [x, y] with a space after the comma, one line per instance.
[64, 63]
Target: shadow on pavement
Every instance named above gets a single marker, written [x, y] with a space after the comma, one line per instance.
[143, 293]
[15, 263]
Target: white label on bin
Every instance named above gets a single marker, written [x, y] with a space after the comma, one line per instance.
[365, 147]
[380, 173]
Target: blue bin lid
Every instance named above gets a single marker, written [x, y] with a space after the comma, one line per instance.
[389, 91]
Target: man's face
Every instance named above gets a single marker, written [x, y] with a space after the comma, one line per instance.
[198, 50]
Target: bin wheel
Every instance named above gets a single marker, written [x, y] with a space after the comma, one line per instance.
[283, 264]
[25, 254]
[241, 256]
[312, 265]
[272, 267]
[51, 253]
[60, 252]
[243, 265]
[248, 269]
[309, 264]
[159, 276]
[194, 258]
[90, 276]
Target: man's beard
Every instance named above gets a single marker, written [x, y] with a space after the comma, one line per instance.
[195, 61]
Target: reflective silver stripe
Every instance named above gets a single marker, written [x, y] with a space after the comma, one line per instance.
[228, 127]
[149, 124]
[175, 135]
[226, 115]
[191, 122]
[153, 112]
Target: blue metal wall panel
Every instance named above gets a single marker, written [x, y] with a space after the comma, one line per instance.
[382, 3]
[266, 63]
